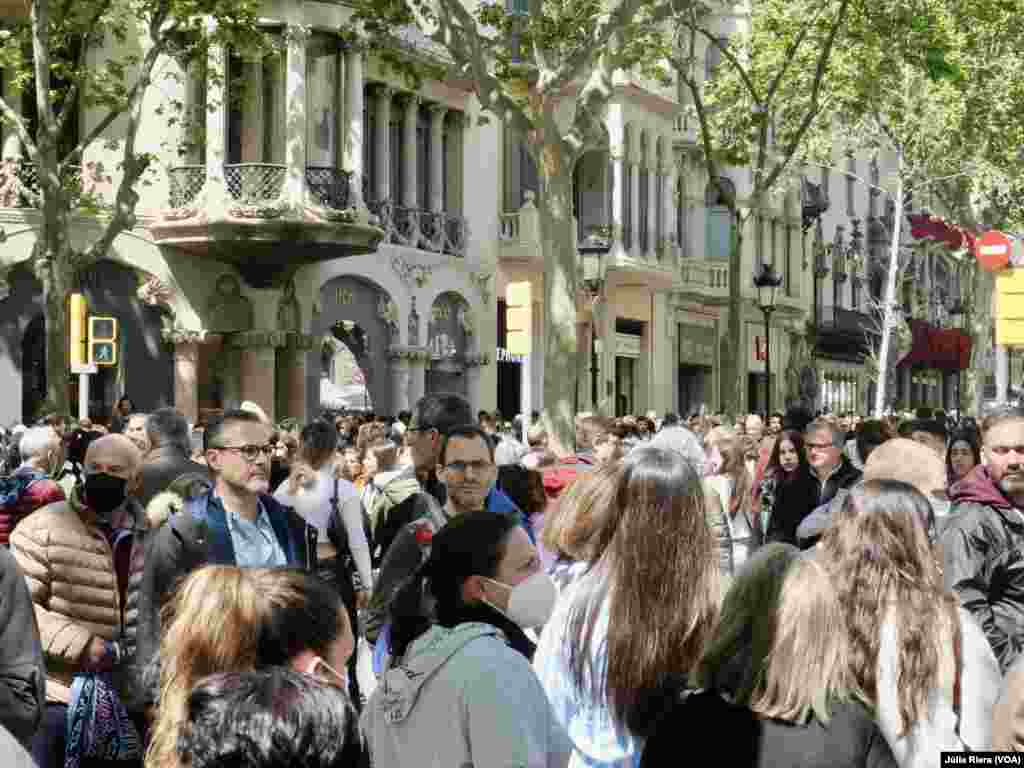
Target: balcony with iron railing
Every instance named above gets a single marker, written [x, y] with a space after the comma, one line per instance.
[263, 205]
[19, 183]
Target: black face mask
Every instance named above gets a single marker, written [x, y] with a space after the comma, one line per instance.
[104, 493]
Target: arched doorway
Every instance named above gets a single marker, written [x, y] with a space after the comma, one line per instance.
[356, 327]
[449, 336]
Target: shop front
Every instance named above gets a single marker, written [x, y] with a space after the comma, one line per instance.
[929, 375]
[697, 345]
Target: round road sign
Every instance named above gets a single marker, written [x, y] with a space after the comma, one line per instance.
[993, 250]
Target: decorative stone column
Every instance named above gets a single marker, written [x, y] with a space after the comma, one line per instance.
[409, 229]
[297, 37]
[418, 359]
[634, 196]
[670, 217]
[382, 143]
[257, 360]
[399, 359]
[474, 364]
[653, 179]
[291, 375]
[12, 142]
[186, 371]
[437, 115]
[216, 128]
[354, 125]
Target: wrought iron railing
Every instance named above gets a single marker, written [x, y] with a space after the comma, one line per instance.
[184, 184]
[255, 182]
[19, 183]
[331, 187]
[434, 231]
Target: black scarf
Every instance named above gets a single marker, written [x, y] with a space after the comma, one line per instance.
[514, 634]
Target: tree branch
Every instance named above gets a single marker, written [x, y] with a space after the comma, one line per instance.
[790, 55]
[27, 142]
[729, 57]
[813, 109]
[72, 94]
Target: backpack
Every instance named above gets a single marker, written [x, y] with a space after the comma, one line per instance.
[13, 487]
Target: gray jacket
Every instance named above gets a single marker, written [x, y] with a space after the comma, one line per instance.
[466, 684]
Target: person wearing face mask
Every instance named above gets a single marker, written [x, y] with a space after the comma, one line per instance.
[33, 484]
[473, 663]
[97, 538]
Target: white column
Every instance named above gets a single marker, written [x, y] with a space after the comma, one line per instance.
[400, 381]
[634, 193]
[216, 129]
[295, 124]
[382, 143]
[12, 142]
[354, 128]
[409, 175]
[670, 218]
[652, 200]
[1002, 373]
[195, 108]
[617, 181]
[252, 123]
[437, 180]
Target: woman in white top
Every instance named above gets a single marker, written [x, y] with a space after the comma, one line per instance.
[733, 485]
[330, 504]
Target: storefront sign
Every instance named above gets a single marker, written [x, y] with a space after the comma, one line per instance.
[504, 356]
[697, 345]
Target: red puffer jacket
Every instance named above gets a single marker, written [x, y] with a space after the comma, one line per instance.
[34, 490]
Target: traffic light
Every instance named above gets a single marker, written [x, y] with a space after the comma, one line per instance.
[103, 340]
[78, 309]
[519, 318]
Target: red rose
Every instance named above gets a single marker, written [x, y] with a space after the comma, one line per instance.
[424, 536]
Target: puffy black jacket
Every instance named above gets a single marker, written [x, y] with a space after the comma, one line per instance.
[800, 496]
[982, 549]
[22, 673]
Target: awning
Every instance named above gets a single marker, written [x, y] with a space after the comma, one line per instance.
[946, 349]
[924, 226]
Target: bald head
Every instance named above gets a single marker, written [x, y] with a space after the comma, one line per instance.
[113, 454]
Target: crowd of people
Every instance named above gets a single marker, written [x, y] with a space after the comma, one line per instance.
[443, 588]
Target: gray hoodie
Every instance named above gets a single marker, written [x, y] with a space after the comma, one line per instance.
[463, 698]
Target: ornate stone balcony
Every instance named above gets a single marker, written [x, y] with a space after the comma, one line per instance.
[433, 231]
[19, 182]
[704, 280]
[245, 212]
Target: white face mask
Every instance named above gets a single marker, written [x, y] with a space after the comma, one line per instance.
[530, 602]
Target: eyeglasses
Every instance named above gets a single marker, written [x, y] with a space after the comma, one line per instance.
[460, 467]
[250, 453]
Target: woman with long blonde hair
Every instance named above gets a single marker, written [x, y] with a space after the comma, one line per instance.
[228, 619]
[639, 617]
[775, 678]
[921, 661]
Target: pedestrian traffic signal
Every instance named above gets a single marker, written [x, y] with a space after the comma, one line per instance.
[78, 310]
[519, 318]
[103, 340]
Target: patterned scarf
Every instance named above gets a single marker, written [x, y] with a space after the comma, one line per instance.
[98, 723]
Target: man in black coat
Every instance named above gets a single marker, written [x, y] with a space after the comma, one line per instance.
[22, 672]
[168, 458]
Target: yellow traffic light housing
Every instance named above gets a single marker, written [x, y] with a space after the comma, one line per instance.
[103, 340]
[519, 318]
[78, 310]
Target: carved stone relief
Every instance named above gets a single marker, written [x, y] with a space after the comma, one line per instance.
[229, 310]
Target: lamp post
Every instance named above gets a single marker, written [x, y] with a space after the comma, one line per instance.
[767, 282]
[593, 249]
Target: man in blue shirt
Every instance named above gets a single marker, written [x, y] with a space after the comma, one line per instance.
[237, 523]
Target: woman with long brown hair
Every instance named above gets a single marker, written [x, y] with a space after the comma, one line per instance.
[228, 619]
[787, 459]
[732, 483]
[636, 622]
[920, 661]
[775, 678]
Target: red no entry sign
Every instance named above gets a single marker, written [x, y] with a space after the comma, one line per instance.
[993, 250]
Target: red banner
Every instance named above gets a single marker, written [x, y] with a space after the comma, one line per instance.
[946, 349]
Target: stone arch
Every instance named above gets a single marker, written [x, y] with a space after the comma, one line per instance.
[381, 272]
[358, 313]
[452, 326]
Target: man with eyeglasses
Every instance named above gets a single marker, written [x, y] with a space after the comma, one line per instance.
[982, 543]
[237, 523]
[829, 472]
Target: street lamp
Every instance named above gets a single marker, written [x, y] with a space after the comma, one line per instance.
[593, 249]
[767, 282]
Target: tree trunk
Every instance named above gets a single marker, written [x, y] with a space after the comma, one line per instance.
[979, 326]
[889, 308]
[558, 244]
[731, 385]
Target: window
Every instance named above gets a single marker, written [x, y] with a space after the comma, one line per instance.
[787, 250]
[681, 214]
[659, 207]
[369, 151]
[713, 57]
[322, 108]
[627, 197]
[423, 190]
[826, 177]
[720, 197]
[256, 113]
[397, 158]
[759, 245]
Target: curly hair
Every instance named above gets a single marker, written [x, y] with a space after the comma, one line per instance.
[884, 568]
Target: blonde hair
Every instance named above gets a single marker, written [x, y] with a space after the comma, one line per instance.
[570, 526]
[229, 619]
[777, 648]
